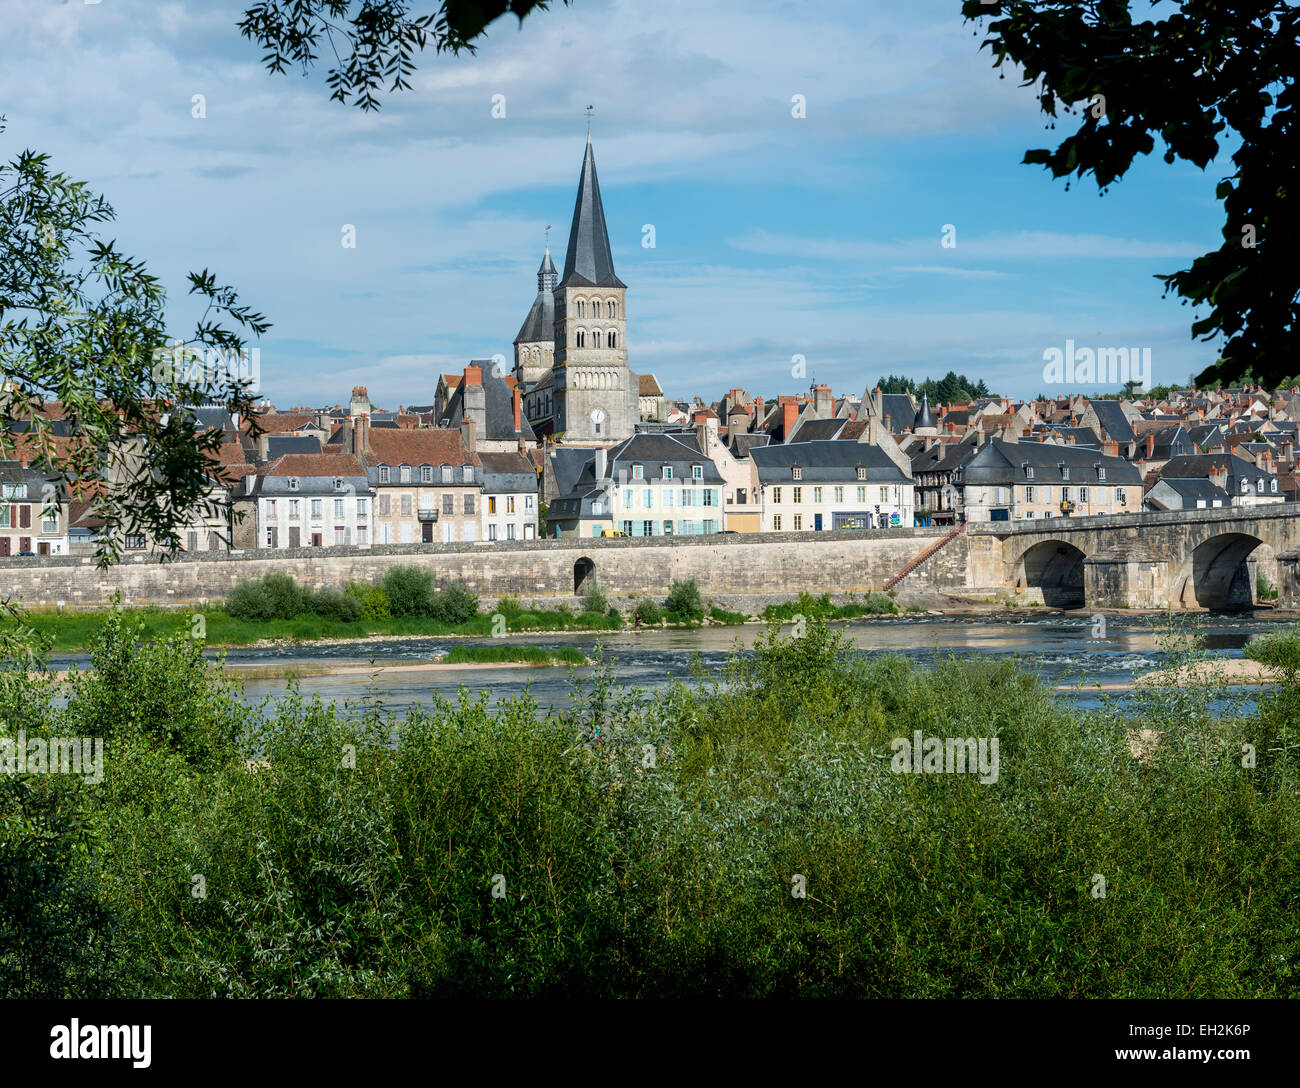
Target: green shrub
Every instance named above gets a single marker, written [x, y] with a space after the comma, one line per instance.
[1279, 650]
[284, 596]
[684, 601]
[248, 601]
[373, 601]
[333, 605]
[454, 604]
[649, 611]
[594, 599]
[508, 606]
[409, 590]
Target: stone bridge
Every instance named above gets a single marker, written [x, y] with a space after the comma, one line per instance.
[1177, 559]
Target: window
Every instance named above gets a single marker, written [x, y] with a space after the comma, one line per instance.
[1065, 472]
[1029, 470]
[862, 474]
[426, 474]
[270, 538]
[597, 509]
[338, 509]
[797, 472]
[798, 522]
[469, 504]
[449, 504]
[1101, 472]
[1047, 495]
[1260, 485]
[611, 310]
[339, 537]
[295, 513]
[638, 472]
[595, 338]
[528, 504]
[629, 499]
[1119, 495]
[668, 472]
[315, 508]
[1272, 487]
[582, 308]
[697, 472]
[510, 504]
[510, 531]
[467, 474]
[817, 494]
[884, 494]
[839, 494]
[668, 497]
[134, 541]
[776, 523]
[338, 483]
[648, 498]
[361, 508]
[446, 474]
[383, 474]
[582, 339]
[51, 525]
[1029, 494]
[293, 483]
[271, 508]
[405, 474]
[1065, 494]
[862, 494]
[1245, 486]
[647, 528]
[612, 337]
[627, 527]
[492, 532]
[798, 494]
[1083, 494]
[708, 496]
[406, 506]
[492, 504]
[776, 494]
[361, 534]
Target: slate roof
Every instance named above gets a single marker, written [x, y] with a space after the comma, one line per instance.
[898, 407]
[825, 462]
[1003, 464]
[508, 473]
[589, 261]
[498, 404]
[1201, 465]
[279, 445]
[817, 430]
[1113, 419]
[566, 467]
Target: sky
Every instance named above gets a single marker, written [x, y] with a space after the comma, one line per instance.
[777, 238]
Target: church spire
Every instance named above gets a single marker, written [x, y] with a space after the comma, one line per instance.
[546, 275]
[589, 261]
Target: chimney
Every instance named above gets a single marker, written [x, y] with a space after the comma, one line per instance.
[1151, 444]
[789, 413]
[888, 428]
[347, 437]
[1110, 448]
[519, 410]
[468, 430]
[602, 464]
[758, 411]
[473, 375]
[361, 436]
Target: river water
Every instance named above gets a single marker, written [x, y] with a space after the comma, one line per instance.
[1061, 647]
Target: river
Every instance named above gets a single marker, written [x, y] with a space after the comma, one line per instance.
[1061, 647]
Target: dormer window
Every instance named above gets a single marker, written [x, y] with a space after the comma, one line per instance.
[668, 472]
[293, 483]
[446, 474]
[338, 483]
[862, 472]
[467, 474]
[1029, 470]
[1065, 471]
[797, 472]
[1273, 486]
[1101, 472]
[383, 474]
[426, 474]
[638, 472]
[1245, 486]
[1260, 488]
[697, 472]
[405, 473]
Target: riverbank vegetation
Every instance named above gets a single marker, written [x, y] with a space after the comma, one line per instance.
[532, 655]
[748, 835]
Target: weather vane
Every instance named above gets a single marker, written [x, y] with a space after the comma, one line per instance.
[588, 112]
[548, 235]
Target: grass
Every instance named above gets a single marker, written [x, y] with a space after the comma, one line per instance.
[533, 655]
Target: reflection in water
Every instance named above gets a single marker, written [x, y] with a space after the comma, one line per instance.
[1061, 648]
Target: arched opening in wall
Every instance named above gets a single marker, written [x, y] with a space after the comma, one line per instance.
[1220, 576]
[1056, 568]
[583, 569]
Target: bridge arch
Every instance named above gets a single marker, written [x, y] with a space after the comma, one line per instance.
[583, 570]
[1216, 576]
[1056, 568]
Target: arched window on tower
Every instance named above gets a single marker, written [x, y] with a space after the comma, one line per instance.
[613, 309]
[582, 307]
[582, 339]
[613, 337]
[595, 338]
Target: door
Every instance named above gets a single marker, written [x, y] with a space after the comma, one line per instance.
[817, 522]
[426, 532]
[4, 545]
[295, 537]
[24, 544]
[273, 537]
[315, 540]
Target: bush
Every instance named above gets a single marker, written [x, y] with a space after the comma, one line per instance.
[594, 599]
[248, 601]
[409, 590]
[684, 601]
[373, 601]
[649, 611]
[333, 605]
[284, 596]
[455, 604]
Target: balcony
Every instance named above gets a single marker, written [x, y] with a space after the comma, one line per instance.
[428, 513]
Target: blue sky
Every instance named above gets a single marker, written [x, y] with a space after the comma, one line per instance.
[775, 236]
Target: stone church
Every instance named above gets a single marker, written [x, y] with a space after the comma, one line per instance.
[571, 353]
